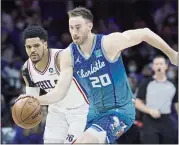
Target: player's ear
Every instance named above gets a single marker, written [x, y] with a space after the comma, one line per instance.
[46, 44]
[90, 25]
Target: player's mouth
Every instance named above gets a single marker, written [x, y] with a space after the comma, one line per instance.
[33, 56]
[76, 38]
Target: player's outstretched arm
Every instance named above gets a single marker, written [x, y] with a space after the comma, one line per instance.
[118, 41]
[64, 80]
[31, 89]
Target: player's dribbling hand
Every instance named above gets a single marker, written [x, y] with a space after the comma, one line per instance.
[154, 113]
[23, 96]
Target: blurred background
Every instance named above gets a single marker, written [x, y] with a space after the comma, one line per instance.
[161, 16]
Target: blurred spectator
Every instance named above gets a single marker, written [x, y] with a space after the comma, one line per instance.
[133, 80]
[7, 21]
[139, 23]
[20, 23]
[4, 37]
[172, 22]
[166, 34]
[112, 26]
[89, 3]
[36, 19]
[102, 28]
[3, 104]
[7, 53]
[65, 39]
[146, 72]
[172, 74]
[8, 134]
[13, 76]
[132, 66]
[162, 12]
[70, 5]
[35, 6]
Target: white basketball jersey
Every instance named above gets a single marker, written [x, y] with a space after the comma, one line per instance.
[47, 79]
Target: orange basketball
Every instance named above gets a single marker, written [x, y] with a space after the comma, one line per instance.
[27, 112]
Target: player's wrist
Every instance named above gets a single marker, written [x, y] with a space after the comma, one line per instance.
[148, 111]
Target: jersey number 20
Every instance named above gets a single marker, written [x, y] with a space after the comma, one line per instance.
[100, 81]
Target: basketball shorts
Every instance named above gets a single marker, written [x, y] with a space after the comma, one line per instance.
[113, 122]
[65, 125]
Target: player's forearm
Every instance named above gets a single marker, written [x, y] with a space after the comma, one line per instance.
[34, 91]
[60, 90]
[157, 42]
[52, 97]
[141, 106]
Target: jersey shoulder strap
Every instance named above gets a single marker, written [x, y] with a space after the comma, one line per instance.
[25, 73]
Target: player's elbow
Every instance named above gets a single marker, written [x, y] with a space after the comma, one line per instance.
[146, 34]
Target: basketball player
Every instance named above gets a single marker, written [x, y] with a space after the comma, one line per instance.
[95, 61]
[66, 120]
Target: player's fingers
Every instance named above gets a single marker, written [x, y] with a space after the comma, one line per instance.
[23, 96]
[18, 98]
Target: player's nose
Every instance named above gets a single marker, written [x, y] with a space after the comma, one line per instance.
[33, 49]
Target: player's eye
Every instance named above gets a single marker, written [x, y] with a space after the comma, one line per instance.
[36, 45]
[28, 47]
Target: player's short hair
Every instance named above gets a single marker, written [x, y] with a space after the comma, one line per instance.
[35, 31]
[81, 11]
[161, 56]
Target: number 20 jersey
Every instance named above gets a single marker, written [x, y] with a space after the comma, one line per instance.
[103, 81]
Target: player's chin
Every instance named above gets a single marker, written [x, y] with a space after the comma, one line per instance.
[35, 60]
[77, 42]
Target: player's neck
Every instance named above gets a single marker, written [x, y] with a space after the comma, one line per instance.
[160, 77]
[42, 64]
[86, 47]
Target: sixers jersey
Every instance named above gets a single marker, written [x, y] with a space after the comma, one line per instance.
[47, 80]
[104, 82]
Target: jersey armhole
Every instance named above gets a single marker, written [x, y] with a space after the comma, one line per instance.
[72, 55]
[26, 73]
[104, 53]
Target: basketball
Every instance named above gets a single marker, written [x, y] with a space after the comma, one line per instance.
[27, 112]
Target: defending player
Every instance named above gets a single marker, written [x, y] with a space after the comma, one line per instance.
[66, 120]
[96, 63]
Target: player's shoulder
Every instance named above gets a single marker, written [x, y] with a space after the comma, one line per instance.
[112, 35]
[107, 39]
[66, 55]
[25, 66]
[67, 50]
[60, 52]
[24, 69]
[54, 50]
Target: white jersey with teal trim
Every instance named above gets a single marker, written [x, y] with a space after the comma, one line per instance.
[47, 79]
